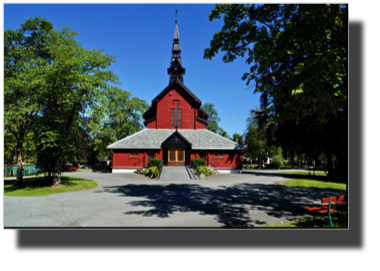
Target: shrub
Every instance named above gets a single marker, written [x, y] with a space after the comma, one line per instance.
[204, 170]
[277, 161]
[152, 171]
[201, 162]
[145, 171]
[153, 162]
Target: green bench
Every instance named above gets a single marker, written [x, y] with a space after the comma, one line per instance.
[335, 204]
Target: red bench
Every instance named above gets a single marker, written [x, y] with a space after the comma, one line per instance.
[339, 204]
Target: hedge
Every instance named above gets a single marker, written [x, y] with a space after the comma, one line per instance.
[201, 162]
[154, 162]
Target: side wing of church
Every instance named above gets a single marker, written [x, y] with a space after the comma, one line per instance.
[175, 130]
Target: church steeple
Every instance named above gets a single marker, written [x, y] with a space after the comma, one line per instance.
[176, 70]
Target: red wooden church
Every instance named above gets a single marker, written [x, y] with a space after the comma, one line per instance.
[175, 130]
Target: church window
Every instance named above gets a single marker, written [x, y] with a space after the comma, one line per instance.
[176, 117]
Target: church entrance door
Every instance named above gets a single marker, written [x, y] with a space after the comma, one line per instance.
[176, 157]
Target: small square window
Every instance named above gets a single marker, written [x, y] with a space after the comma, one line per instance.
[218, 153]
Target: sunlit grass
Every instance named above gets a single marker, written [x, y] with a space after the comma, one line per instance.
[315, 184]
[43, 186]
[339, 221]
[317, 173]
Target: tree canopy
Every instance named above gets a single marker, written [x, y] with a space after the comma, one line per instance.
[298, 55]
[50, 82]
[298, 58]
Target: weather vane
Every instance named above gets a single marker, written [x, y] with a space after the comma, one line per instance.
[176, 15]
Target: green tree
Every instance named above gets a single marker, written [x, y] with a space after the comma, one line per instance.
[237, 137]
[213, 120]
[255, 139]
[26, 57]
[54, 80]
[115, 117]
[299, 64]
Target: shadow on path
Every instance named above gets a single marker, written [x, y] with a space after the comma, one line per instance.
[230, 205]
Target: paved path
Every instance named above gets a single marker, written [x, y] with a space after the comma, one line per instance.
[131, 200]
[175, 173]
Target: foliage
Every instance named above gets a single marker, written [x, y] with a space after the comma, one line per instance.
[237, 137]
[213, 120]
[114, 117]
[50, 81]
[299, 54]
[255, 138]
[153, 171]
[204, 170]
[200, 161]
[154, 162]
[26, 54]
[299, 64]
[277, 161]
[145, 171]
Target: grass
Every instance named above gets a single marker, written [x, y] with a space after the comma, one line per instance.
[42, 186]
[317, 173]
[284, 167]
[340, 221]
[315, 184]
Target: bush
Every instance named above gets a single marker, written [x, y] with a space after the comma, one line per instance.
[154, 171]
[204, 170]
[145, 171]
[201, 162]
[277, 161]
[153, 162]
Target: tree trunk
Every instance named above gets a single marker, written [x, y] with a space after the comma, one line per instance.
[259, 160]
[330, 167]
[57, 170]
[20, 142]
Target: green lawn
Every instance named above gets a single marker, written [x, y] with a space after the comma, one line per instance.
[317, 173]
[315, 184]
[338, 222]
[42, 186]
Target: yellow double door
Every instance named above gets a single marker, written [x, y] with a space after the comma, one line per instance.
[176, 157]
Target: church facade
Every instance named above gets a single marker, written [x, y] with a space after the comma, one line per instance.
[175, 130]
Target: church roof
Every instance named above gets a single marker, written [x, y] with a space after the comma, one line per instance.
[162, 94]
[200, 140]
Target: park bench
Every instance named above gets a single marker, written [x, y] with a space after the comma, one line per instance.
[335, 204]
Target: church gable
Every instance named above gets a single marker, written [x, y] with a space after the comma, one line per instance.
[176, 141]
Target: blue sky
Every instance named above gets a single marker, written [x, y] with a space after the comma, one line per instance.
[141, 36]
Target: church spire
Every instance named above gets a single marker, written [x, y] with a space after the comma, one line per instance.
[176, 70]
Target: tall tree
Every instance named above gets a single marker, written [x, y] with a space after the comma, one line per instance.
[237, 137]
[118, 115]
[213, 120]
[52, 81]
[26, 57]
[255, 138]
[299, 63]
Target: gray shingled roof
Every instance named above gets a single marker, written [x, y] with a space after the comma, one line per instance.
[152, 139]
